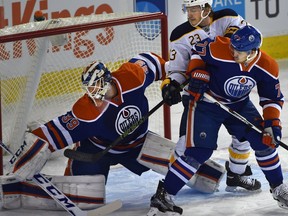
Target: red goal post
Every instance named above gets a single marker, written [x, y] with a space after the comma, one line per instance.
[41, 64]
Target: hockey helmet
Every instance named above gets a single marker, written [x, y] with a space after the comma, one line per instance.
[191, 3]
[96, 79]
[246, 39]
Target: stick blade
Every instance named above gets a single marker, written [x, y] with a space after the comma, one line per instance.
[82, 156]
[106, 209]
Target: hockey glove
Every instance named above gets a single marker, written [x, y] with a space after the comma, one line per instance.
[272, 132]
[198, 84]
[171, 91]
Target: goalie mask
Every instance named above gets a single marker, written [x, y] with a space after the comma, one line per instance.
[96, 79]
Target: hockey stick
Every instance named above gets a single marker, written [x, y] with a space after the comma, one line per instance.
[87, 157]
[60, 197]
[238, 116]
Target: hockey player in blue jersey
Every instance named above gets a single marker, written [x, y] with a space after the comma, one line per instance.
[112, 103]
[203, 23]
[110, 106]
[228, 70]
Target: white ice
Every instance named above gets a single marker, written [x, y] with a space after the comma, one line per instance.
[135, 191]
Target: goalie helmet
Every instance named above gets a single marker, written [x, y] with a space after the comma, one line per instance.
[191, 3]
[246, 39]
[96, 80]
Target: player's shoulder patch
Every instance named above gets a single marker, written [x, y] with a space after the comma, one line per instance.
[223, 13]
[181, 30]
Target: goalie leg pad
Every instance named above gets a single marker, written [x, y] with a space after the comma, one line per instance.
[208, 177]
[87, 192]
[10, 192]
[158, 152]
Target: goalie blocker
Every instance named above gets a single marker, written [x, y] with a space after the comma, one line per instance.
[158, 152]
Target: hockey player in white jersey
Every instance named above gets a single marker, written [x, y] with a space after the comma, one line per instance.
[203, 23]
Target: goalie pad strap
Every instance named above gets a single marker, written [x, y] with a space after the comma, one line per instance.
[158, 152]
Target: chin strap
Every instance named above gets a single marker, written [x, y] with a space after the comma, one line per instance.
[250, 58]
[202, 18]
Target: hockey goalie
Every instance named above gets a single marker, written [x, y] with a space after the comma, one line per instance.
[88, 192]
[108, 108]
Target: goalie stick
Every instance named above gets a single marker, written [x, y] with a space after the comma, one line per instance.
[61, 198]
[238, 116]
[87, 157]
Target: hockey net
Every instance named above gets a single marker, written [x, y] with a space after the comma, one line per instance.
[42, 62]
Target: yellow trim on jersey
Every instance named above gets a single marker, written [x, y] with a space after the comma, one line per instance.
[166, 81]
[276, 46]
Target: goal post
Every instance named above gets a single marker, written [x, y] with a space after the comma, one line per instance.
[41, 65]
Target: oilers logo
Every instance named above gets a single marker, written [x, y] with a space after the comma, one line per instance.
[126, 117]
[239, 86]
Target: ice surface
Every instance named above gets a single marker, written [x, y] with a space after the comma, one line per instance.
[135, 191]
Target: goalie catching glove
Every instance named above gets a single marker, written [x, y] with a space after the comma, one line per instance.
[30, 157]
[272, 132]
[198, 84]
[171, 91]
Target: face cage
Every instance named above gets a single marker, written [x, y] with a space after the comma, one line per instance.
[98, 90]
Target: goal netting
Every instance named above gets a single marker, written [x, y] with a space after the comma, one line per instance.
[41, 64]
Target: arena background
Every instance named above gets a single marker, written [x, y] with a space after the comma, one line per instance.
[268, 15]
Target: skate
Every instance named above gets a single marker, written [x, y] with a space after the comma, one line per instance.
[236, 182]
[280, 194]
[161, 203]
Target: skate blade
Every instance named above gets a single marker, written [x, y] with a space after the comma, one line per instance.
[155, 212]
[240, 190]
[152, 212]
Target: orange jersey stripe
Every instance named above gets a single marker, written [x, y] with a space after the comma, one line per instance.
[187, 174]
[58, 137]
[263, 164]
[268, 64]
[124, 77]
[220, 47]
[195, 63]
[85, 108]
[271, 113]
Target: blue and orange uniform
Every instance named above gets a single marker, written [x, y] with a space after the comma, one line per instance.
[93, 128]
